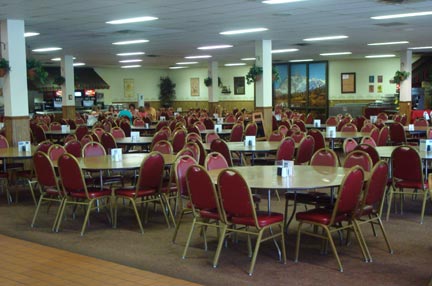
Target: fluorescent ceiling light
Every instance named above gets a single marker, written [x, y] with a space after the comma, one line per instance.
[301, 61]
[131, 61]
[132, 20]
[59, 59]
[243, 31]
[186, 63]
[198, 57]
[325, 38]
[280, 1]
[336, 54]
[176, 68]
[78, 64]
[388, 43]
[421, 48]
[131, 42]
[50, 49]
[235, 64]
[130, 54]
[215, 47]
[404, 15]
[284, 51]
[380, 56]
[31, 34]
[248, 59]
[131, 66]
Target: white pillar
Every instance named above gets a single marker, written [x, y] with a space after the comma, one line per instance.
[68, 88]
[15, 82]
[405, 86]
[263, 97]
[213, 90]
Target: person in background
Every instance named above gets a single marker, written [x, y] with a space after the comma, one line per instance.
[95, 111]
[133, 110]
[111, 111]
[125, 113]
[141, 112]
[151, 112]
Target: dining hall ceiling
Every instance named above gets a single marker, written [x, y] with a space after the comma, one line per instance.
[79, 28]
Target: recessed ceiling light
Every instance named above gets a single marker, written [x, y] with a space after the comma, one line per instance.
[248, 59]
[280, 1]
[243, 31]
[198, 57]
[131, 42]
[336, 54]
[186, 63]
[284, 51]
[131, 66]
[380, 56]
[404, 15]
[131, 61]
[421, 48]
[235, 64]
[325, 38]
[78, 64]
[58, 59]
[132, 20]
[176, 68]
[50, 49]
[31, 34]
[388, 43]
[215, 47]
[130, 54]
[300, 61]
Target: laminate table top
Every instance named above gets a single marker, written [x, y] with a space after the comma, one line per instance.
[14, 153]
[386, 151]
[260, 146]
[140, 141]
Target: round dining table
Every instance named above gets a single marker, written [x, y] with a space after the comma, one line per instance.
[15, 153]
[344, 135]
[129, 142]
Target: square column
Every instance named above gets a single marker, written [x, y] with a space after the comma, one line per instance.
[405, 97]
[213, 90]
[68, 88]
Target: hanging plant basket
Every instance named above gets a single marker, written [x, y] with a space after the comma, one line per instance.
[400, 76]
[59, 80]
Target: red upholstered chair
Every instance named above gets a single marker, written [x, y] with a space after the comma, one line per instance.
[138, 122]
[204, 200]
[421, 121]
[251, 129]
[200, 125]
[305, 151]
[55, 151]
[379, 123]
[276, 136]
[44, 126]
[371, 207]
[368, 140]
[298, 136]
[342, 122]
[93, 149]
[283, 129]
[358, 158]
[159, 136]
[374, 134]
[230, 118]
[309, 119]
[367, 127]
[286, 150]
[166, 130]
[318, 139]
[193, 129]
[79, 120]
[98, 131]
[330, 220]
[211, 136]
[108, 142]
[215, 160]
[237, 202]
[349, 127]
[107, 126]
[55, 126]
[397, 134]
[202, 152]
[383, 136]
[125, 125]
[81, 131]
[220, 146]
[77, 192]
[43, 146]
[163, 146]
[184, 152]
[117, 132]
[348, 145]
[69, 137]
[332, 121]
[373, 153]
[383, 116]
[285, 122]
[301, 125]
[407, 173]
[147, 189]
[179, 140]
[194, 148]
[237, 133]
[172, 124]
[161, 124]
[74, 147]
[404, 119]
[38, 133]
[325, 157]
[48, 185]
[193, 137]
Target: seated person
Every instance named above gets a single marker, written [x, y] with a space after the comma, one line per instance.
[151, 112]
[126, 113]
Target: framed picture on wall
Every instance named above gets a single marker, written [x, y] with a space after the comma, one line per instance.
[239, 85]
[348, 82]
[194, 86]
[129, 88]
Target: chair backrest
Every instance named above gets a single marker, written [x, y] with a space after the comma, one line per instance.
[209, 124]
[92, 149]
[368, 140]
[125, 125]
[55, 151]
[349, 127]
[332, 121]
[300, 124]
[79, 120]
[181, 165]
[397, 133]
[179, 140]
[377, 183]
[220, 146]
[98, 131]
[342, 122]
[251, 129]
[283, 129]
[309, 119]
[108, 142]
[276, 136]
[138, 122]
[44, 170]
[383, 136]
[193, 137]
[374, 134]
[107, 125]
[200, 125]
[360, 158]
[117, 132]
[42, 146]
[383, 116]
[151, 172]
[325, 157]
[305, 150]
[348, 145]
[373, 153]
[237, 133]
[193, 129]
[298, 136]
[406, 165]
[367, 127]
[38, 133]
[286, 149]
[318, 137]
[194, 148]
[81, 131]
[163, 146]
[166, 130]
[71, 175]
[74, 147]
[421, 121]
[230, 118]
[202, 152]
[215, 160]
[86, 139]
[211, 136]
[3, 142]
[55, 126]
[69, 137]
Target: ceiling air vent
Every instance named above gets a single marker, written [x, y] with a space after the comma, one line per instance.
[126, 32]
[152, 56]
[302, 44]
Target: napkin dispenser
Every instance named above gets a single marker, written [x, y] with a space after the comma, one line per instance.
[373, 118]
[250, 141]
[425, 145]
[116, 154]
[411, 127]
[331, 132]
[65, 128]
[426, 115]
[317, 123]
[162, 118]
[219, 120]
[134, 136]
[285, 168]
[218, 128]
[24, 146]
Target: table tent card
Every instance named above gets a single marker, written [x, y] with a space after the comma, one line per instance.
[426, 115]
[331, 131]
[65, 128]
[285, 168]
[373, 118]
[317, 123]
[24, 146]
[278, 117]
[250, 141]
[425, 145]
[135, 135]
[162, 118]
[176, 114]
[218, 128]
[219, 120]
[116, 154]
[410, 127]
[215, 115]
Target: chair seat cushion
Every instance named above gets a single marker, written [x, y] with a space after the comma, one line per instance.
[129, 192]
[320, 215]
[52, 191]
[92, 192]
[264, 218]
[209, 213]
[410, 184]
